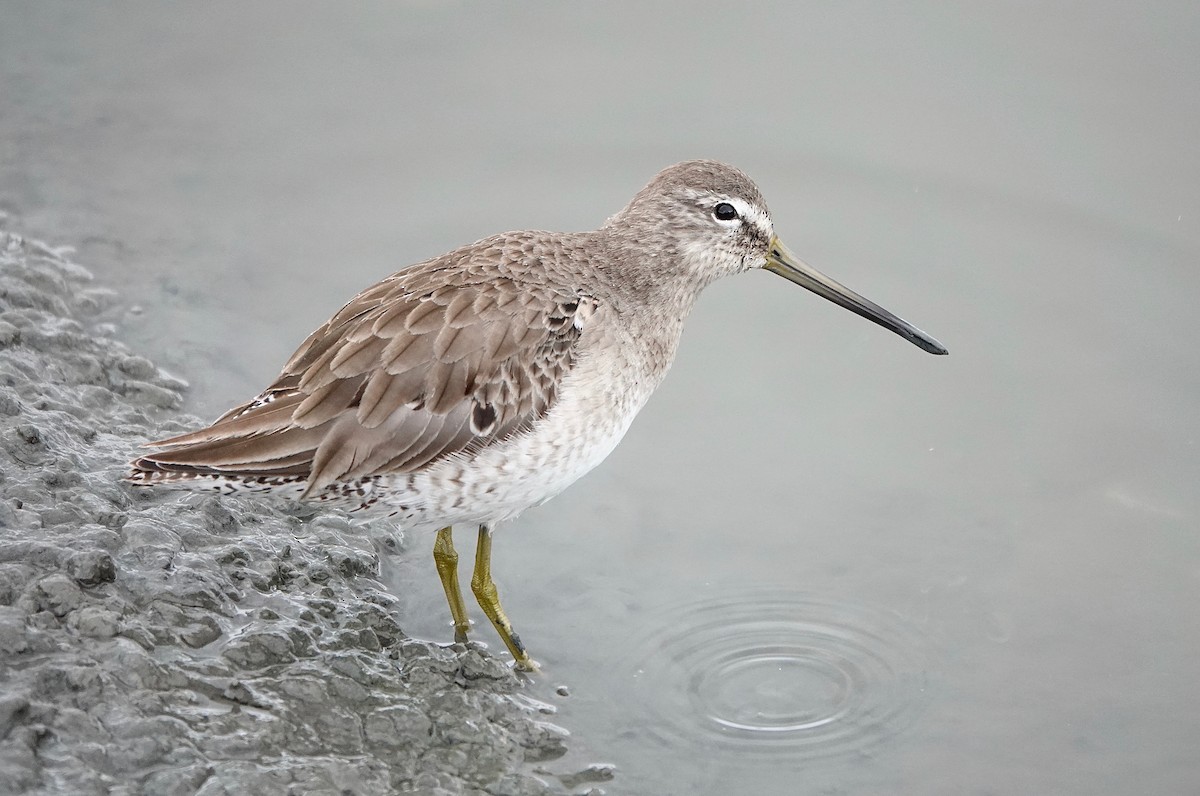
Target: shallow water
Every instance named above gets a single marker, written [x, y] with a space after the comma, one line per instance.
[777, 675]
[821, 560]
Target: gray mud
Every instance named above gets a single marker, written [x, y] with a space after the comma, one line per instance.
[167, 642]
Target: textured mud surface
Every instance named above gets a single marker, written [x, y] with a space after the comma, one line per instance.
[164, 642]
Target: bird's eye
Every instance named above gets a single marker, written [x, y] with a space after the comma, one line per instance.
[725, 212]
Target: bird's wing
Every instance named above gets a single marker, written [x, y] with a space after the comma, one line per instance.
[429, 362]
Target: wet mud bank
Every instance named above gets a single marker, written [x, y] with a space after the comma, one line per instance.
[166, 642]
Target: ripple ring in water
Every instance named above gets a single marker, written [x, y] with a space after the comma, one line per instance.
[781, 672]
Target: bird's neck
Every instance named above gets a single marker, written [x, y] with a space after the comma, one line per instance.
[655, 277]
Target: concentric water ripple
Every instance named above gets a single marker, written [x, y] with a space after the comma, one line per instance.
[781, 672]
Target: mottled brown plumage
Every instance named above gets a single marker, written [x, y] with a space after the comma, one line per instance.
[431, 361]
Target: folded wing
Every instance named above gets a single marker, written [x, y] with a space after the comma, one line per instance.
[430, 362]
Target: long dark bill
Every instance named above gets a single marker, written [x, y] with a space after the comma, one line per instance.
[781, 261]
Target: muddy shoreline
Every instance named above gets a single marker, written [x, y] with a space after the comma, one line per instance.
[165, 642]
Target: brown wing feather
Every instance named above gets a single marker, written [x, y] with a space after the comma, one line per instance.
[429, 362]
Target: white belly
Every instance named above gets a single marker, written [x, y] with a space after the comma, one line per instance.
[596, 404]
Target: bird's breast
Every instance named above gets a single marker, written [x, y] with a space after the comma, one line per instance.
[596, 403]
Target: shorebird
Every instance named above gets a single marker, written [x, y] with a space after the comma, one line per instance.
[472, 386]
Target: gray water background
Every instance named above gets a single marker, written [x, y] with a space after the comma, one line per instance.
[1011, 528]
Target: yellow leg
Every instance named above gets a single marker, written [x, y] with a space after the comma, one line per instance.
[446, 559]
[489, 600]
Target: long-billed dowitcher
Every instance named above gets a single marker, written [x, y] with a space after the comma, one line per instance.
[469, 387]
